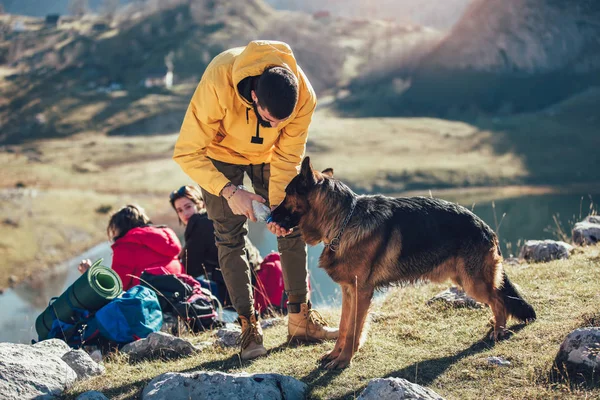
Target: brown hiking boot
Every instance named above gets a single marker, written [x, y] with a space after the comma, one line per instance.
[307, 325]
[251, 339]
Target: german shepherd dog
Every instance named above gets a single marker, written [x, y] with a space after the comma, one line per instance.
[375, 241]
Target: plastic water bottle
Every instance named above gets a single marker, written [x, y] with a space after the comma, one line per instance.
[261, 211]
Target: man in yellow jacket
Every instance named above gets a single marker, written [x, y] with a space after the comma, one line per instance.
[250, 114]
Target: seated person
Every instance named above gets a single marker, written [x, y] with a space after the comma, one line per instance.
[199, 255]
[139, 246]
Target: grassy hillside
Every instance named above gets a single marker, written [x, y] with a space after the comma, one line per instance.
[435, 346]
[554, 146]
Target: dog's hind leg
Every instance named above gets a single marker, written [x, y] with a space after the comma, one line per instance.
[481, 283]
[347, 310]
[361, 296]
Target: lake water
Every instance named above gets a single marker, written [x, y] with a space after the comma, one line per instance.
[528, 217]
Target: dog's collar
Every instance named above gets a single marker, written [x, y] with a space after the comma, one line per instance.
[335, 242]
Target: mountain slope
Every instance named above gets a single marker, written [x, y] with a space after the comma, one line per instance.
[505, 56]
[76, 78]
[64, 75]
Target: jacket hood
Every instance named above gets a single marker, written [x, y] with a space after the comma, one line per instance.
[259, 55]
[160, 239]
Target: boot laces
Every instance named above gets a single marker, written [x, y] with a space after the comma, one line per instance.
[249, 334]
[316, 319]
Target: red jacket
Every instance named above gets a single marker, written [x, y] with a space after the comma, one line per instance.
[144, 248]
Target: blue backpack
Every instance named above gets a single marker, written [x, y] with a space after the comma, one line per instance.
[132, 316]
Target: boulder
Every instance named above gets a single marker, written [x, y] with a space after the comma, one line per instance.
[396, 389]
[159, 345]
[92, 395]
[34, 371]
[579, 353]
[456, 298]
[55, 347]
[587, 232]
[545, 250]
[201, 385]
[83, 365]
[228, 336]
[593, 219]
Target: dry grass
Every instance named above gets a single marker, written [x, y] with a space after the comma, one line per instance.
[397, 154]
[95, 162]
[434, 346]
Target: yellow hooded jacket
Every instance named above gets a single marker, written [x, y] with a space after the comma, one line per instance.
[220, 122]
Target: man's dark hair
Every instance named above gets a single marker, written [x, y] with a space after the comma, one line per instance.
[277, 91]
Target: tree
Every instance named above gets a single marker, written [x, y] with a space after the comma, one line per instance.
[78, 8]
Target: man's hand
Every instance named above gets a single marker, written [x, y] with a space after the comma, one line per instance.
[277, 229]
[241, 202]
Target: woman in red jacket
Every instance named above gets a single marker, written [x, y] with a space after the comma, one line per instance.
[139, 246]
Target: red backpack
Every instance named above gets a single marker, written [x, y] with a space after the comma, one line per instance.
[269, 288]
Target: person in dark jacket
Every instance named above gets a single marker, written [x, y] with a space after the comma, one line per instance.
[139, 246]
[199, 255]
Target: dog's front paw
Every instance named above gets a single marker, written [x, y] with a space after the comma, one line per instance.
[499, 335]
[332, 355]
[339, 363]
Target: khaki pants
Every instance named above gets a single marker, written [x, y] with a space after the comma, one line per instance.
[230, 231]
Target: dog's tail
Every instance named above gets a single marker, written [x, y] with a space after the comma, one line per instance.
[514, 303]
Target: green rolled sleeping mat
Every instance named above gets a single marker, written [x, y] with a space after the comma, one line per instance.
[92, 291]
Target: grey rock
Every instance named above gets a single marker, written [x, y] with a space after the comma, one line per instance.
[32, 371]
[92, 395]
[593, 219]
[228, 336]
[159, 345]
[580, 350]
[55, 347]
[83, 365]
[96, 355]
[587, 232]
[512, 261]
[545, 250]
[396, 388]
[455, 297]
[499, 361]
[202, 385]
[271, 322]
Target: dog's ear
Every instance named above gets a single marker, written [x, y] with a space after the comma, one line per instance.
[306, 171]
[328, 172]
